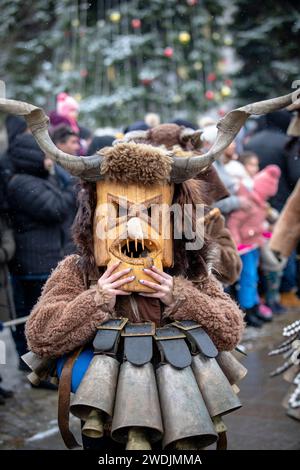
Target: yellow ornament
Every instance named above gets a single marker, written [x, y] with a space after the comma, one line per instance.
[184, 37]
[225, 91]
[216, 36]
[66, 66]
[228, 41]
[115, 17]
[177, 99]
[75, 23]
[198, 66]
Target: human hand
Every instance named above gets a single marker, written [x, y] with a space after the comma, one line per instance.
[111, 283]
[164, 288]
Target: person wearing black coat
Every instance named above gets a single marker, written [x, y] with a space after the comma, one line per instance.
[269, 145]
[39, 202]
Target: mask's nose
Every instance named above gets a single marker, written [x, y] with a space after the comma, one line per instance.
[135, 229]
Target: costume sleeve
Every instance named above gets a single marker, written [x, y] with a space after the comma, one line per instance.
[286, 233]
[66, 315]
[208, 305]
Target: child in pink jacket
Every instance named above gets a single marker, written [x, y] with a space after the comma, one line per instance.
[247, 227]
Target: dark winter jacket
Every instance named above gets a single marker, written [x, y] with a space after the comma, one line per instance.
[269, 145]
[39, 207]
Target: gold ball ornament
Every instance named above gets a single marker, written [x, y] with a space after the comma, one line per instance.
[228, 41]
[66, 66]
[177, 99]
[216, 36]
[184, 37]
[225, 91]
[115, 17]
[75, 23]
[198, 66]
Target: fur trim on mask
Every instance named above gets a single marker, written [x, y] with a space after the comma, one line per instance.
[136, 163]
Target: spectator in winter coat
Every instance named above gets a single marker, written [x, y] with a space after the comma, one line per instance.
[269, 145]
[247, 229]
[39, 204]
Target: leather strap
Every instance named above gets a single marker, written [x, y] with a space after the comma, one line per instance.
[199, 339]
[108, 335]
[138, 343]
[222, 441]
[64, 396]
[172, 346]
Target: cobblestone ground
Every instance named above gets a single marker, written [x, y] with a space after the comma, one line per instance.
[28, 421]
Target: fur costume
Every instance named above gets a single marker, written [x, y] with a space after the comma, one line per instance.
[176, 393]
[286, 233]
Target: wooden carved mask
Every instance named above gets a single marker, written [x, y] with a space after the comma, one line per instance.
[132, 224]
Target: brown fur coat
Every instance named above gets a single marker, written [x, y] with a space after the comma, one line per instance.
[66, 315]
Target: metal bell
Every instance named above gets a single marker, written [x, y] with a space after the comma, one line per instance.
[231, 367]
[187, 423]
[38, 364]
[41, 367]
[214, 386]
[94, 398]
[94, 425]
[137, 406]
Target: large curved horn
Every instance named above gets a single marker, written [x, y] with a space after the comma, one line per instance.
[185, 168]
[88, 168]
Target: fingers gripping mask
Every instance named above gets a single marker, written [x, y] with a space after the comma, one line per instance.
[132, 225]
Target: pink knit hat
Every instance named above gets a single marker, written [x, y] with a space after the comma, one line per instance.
[66, 104]
[266, 181]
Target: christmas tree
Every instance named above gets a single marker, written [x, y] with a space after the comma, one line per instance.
[120, 58]
[266, 40]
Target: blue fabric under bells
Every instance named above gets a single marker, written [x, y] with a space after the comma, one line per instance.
[80, 366]
[247, 286]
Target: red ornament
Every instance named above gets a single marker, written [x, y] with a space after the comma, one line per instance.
[83, 73]
[146, 81]
[221, 112]
[211, 77]
[191, 3]
[228, 82]
[136, 23]
[209, 95]
[168, 52]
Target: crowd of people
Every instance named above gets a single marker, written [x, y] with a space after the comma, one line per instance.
[260, 169]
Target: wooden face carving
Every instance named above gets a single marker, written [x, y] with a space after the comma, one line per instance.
[132, 224]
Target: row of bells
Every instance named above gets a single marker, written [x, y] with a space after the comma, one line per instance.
[180, 407]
